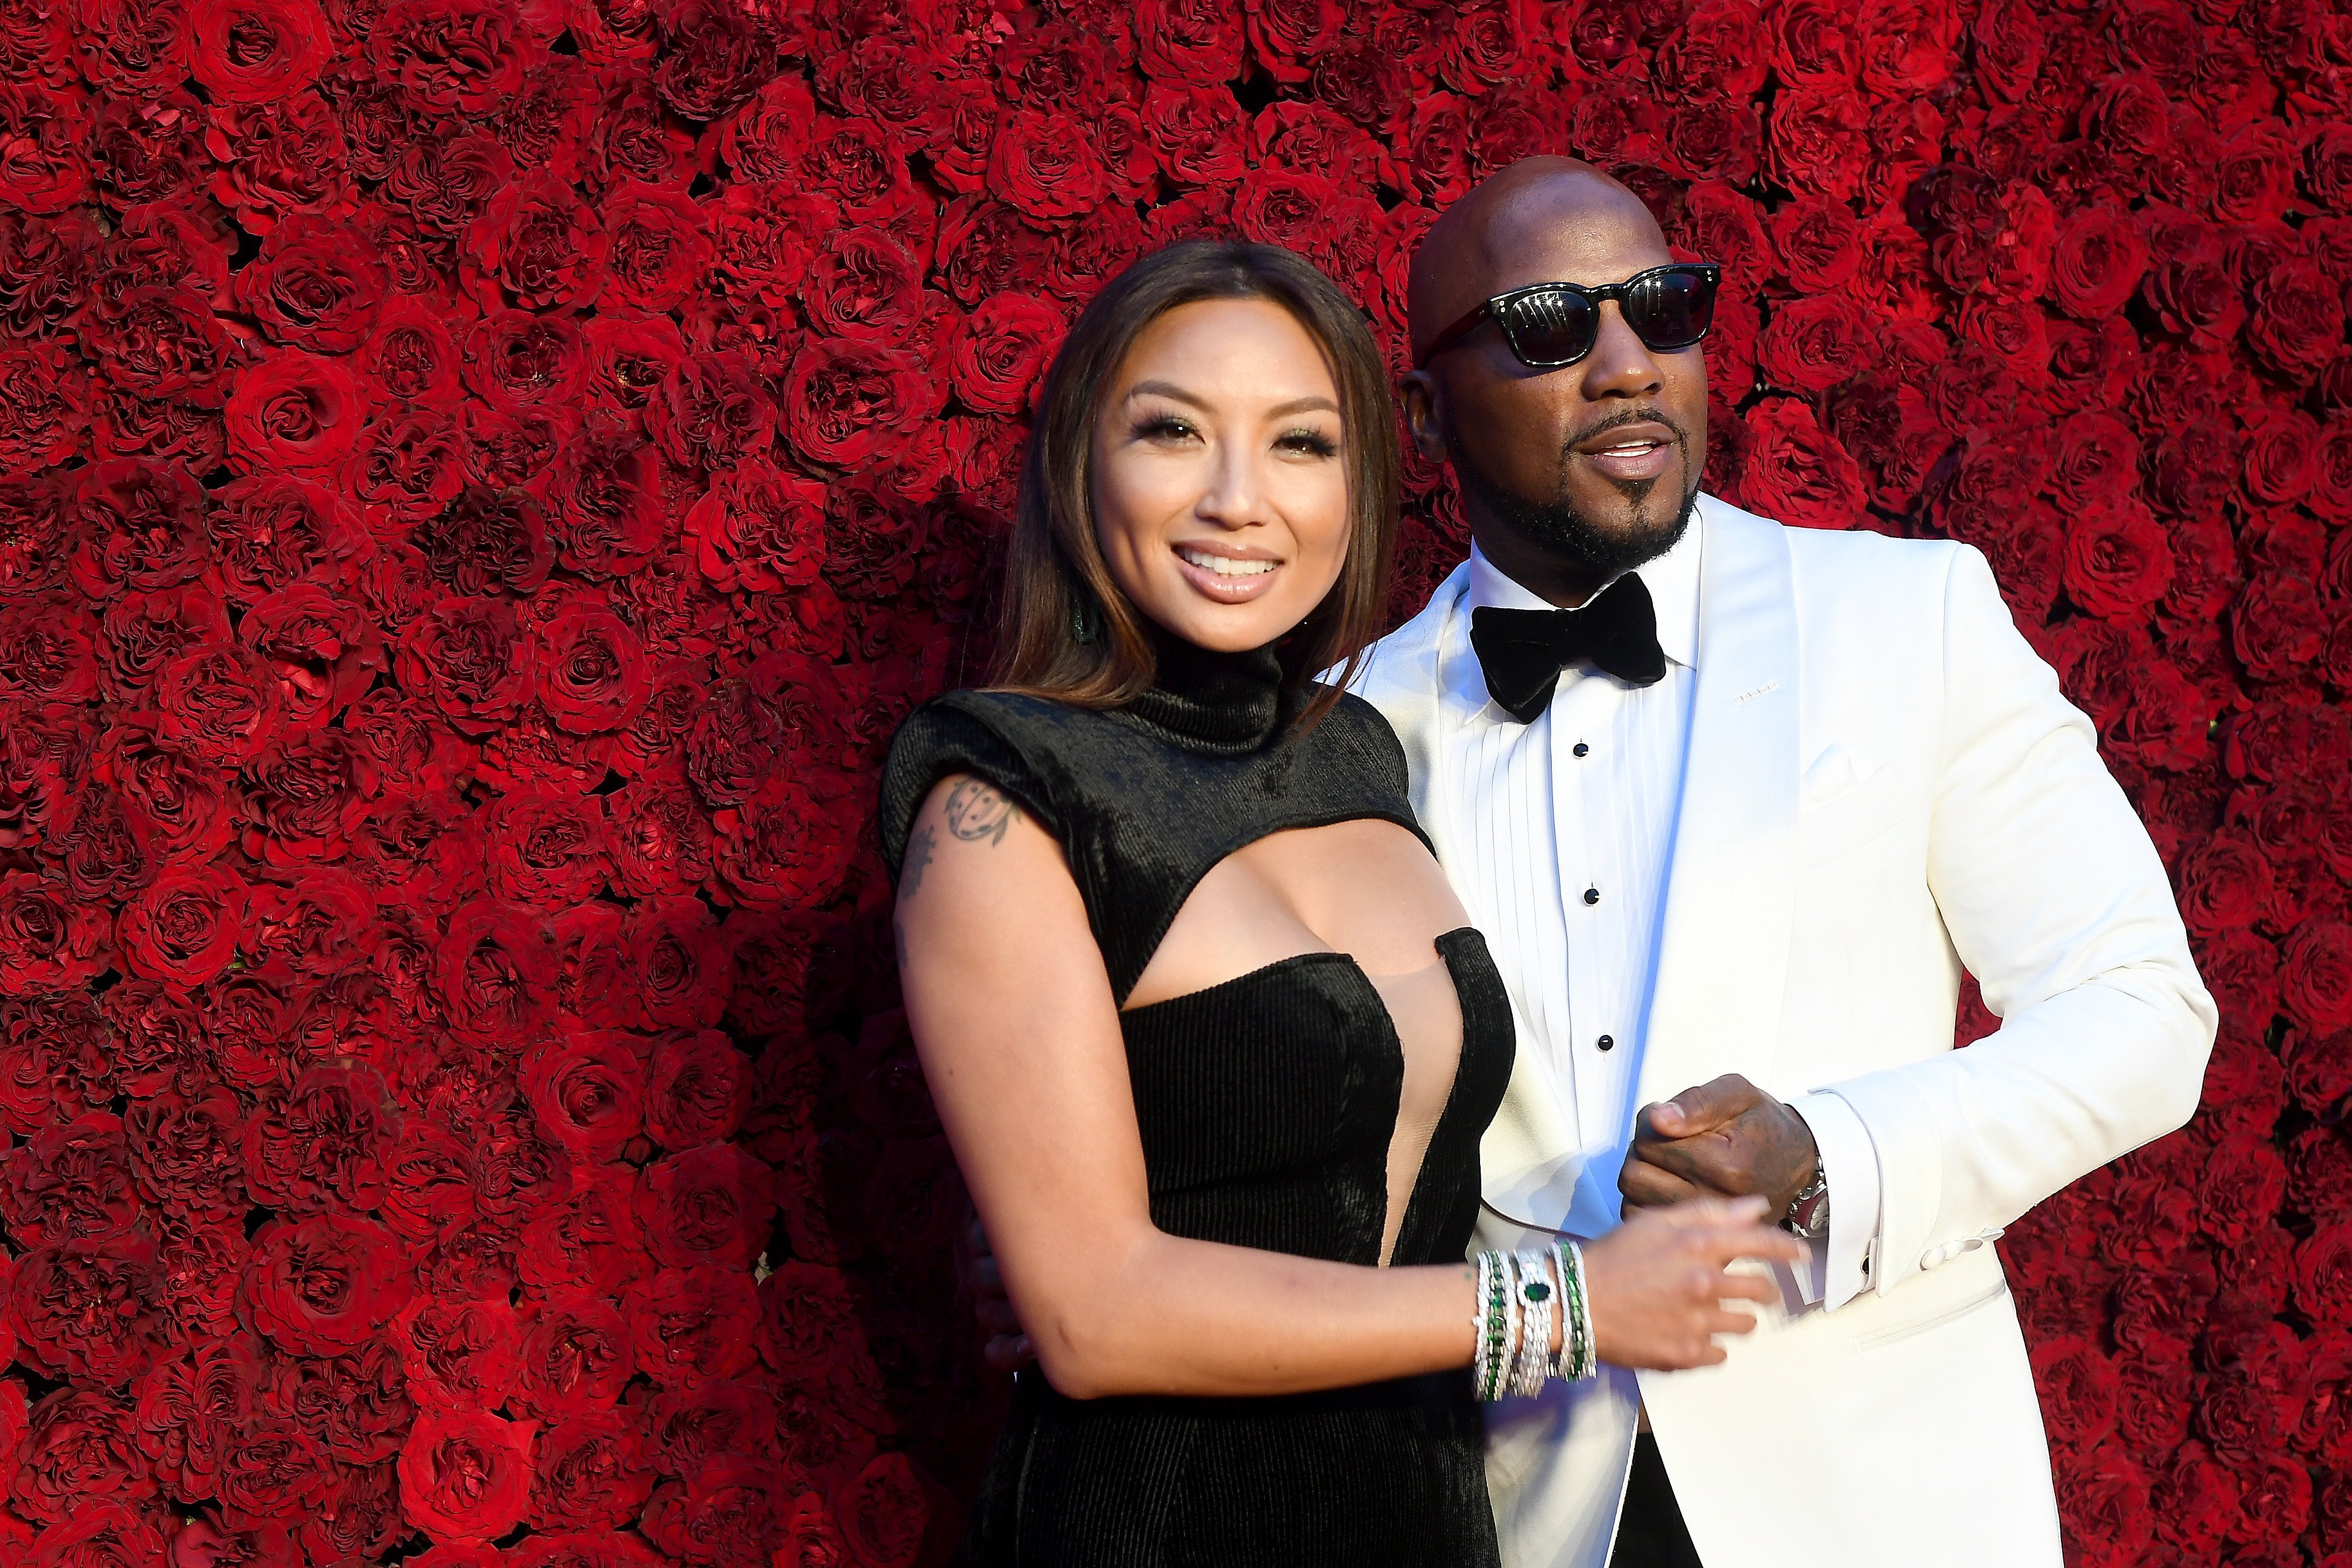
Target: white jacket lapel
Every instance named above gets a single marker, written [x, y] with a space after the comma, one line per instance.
[1723, 950]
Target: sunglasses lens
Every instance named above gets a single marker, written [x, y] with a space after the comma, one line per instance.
[1672, 310]
[1551, 327]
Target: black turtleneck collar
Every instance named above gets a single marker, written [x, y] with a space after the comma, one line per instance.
[1226, 704]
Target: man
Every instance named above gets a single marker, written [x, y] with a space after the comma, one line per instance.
[1739, 822]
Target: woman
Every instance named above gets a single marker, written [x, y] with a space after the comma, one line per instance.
[1206, 1024]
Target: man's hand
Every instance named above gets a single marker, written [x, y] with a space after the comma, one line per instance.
[1008, 1348]
[1723, 1139]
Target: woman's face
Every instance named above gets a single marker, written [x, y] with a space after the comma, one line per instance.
[1219, 475]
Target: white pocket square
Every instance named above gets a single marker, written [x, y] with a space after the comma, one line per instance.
[1839, 770]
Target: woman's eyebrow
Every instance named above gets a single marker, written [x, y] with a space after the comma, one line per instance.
[1170, 390]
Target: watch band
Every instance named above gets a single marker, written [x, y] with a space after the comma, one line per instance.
[1808, 1211]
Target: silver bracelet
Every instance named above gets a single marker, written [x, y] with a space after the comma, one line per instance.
[1536, 1297]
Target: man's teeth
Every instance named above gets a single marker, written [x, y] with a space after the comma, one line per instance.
[1225, 565]
[1632, 446]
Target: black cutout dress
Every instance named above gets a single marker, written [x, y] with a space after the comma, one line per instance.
[1266, 1105]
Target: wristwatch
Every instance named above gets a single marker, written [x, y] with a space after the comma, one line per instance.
[1808, 1211]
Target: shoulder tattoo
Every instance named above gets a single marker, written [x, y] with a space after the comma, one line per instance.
[978, 812]
[919, 855]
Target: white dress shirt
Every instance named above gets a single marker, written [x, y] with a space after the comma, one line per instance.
[1569, 822]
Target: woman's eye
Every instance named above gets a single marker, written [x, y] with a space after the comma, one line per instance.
[1309, 442]
[1161, 427]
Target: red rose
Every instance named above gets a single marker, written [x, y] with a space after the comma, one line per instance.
[698, 1090]
[254, 51]
[541, 243]
[2297, 325]
[605, 499]
[759, 528]
[730, 1511]
[1812, 344]
[101, 1535]
[843, 399]
[48, 938]
[2318, 976]
[517, 361]
[326, 1284]
[763, 235]
[587, 1238]
[1193, 41]
[2225, 883]
[79, 1454]
[2195, 1500]
[294, 411]
[464, 57]
[465, 654]
[1043, 164]
[589, 1471]
[322, 1145]
[712, 414]
[458, 1356]
[547, 848]
[884, 1510]
[2100, 257]
[44, 405]
[412, 354]
[316, 284]
[690, 1425]
[321, 650]
[45, 131]
[2103, 1502]
[87, 1309]
[466, 1476]
[1001, 350]
[581, 1549]
[69, 1182]
[184, 929]
[2281, 454]
[586, 1090]
[162, 342]
[659, 249]
[712, 1205]
[575, 1356]
[1795, 471]
[184, 1153]
[2117, 561]
[690, 1323]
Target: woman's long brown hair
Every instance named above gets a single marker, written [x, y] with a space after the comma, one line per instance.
[1055, 576]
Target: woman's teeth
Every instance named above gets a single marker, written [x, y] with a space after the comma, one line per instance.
[1225, 565]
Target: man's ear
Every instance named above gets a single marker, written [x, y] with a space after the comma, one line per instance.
[1422, 417]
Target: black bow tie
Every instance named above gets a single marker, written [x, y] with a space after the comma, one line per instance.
[1524, 651]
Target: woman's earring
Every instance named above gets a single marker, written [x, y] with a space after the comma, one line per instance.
[1082, 620]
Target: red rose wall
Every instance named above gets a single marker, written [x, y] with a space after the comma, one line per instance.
[482, 481]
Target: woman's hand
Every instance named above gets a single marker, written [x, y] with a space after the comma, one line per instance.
[1657, 1283]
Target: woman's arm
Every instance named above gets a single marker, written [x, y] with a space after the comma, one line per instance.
[1019, 1035]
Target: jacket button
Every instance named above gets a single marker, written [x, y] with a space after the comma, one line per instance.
[1582, 749]
[1606, 1041]
[1591, 896]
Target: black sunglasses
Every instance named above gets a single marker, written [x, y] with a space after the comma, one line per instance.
[1549, 325]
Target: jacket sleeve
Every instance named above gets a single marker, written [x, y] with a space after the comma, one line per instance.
[2057, 902]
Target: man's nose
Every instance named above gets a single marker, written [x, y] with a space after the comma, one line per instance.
[1621, 365]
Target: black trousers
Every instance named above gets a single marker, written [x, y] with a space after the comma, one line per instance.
[1650, 1533]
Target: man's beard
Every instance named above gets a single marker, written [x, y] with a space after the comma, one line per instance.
[1560, 530]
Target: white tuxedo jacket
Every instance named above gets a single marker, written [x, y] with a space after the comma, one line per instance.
[1883, 784]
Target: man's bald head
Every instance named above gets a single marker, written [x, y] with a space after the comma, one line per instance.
[1499, 236]
[1568, 472]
